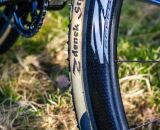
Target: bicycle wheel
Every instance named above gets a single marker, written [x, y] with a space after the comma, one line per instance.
[8, 35]
[94, 74]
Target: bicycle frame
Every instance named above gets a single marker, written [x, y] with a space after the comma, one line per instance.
[156, 2]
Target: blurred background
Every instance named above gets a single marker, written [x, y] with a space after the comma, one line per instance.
[35, 92]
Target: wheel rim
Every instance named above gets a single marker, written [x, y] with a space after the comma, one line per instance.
[115, 60]
[102, 87]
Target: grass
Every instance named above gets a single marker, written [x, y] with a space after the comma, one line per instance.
[31, 98]
[139, 40]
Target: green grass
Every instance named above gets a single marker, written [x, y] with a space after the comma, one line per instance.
[139, 40]
[29, 96]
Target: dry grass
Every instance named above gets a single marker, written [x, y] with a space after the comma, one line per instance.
[139, 40]
[31, 98]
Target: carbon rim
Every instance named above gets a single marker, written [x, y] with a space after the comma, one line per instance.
[101, 70]
[98, 34]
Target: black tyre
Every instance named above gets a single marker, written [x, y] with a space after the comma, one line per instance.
[8, 35]
[94, 72]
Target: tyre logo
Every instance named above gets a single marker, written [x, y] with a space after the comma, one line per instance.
[76, 63]
[101, 17]
[78, 9]
[76, 33]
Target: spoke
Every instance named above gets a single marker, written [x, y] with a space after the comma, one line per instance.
[146, 123]
[138, 61]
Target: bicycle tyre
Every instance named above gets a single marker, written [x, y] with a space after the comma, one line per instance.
[93, 71]
[8, 35]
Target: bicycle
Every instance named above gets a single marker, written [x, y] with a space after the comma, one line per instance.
[92, 59]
